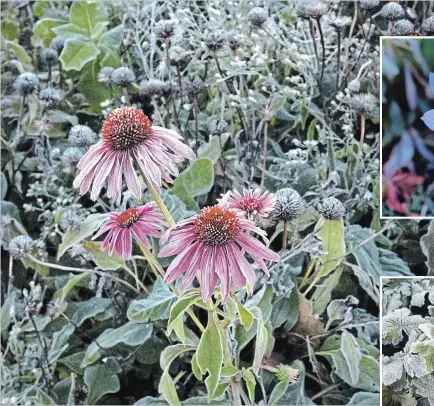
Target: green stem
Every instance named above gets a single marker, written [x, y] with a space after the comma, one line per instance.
[155, 195]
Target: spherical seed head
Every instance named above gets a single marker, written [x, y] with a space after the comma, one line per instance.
[57, 43]
[164, 29]
[369, 4]
[354, 85]
[71, 156]
[20, 247]
[216, 225]
[364, 103]
[122, 76]
[257, 16]
[215, 40]
[125, 128]
[128, 217]
[217, 127]
[289, 204]
[331, 209]
[50, 97]
[49, 56]
[403, 27]
[81, 136]
[26, 83]
[312, 9]
[105, 75]
[428, 25]
[193, 85]
[71, 221]
[392, 11]
[233, 40]
[154, 88]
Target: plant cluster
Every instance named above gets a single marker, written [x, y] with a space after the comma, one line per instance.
[190, 202]
[407, 341]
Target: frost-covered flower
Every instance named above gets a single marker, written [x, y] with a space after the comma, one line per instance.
[354, 85]
[123, 76]
[369, 4]
[71, 220]
[403, 27]
[49, 56]
[127, 132]
[57, 43]
[142, 222]
[105, 75]
[81, 136]
[392, 11]
[193, 85]
[251, 203]
[331, 209]
[289, 204]
[20, 247]
[428, 117]
[233, 40]
[257, 16]
[154, 88]
[164, 29]
[364, 103]
[176, 54]
[312, 9]
[212, 246]
[215, 40]
[26, 83]
[71, 156]
[428, 25]
[50, 98]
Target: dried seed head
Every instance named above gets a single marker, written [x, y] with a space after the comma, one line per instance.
[81, 136]
[193, 85]
[257, 16]
[312, 9]
[71, 156]
[57, 44]
[164, 29]
[123, 76]
[215, 40]
[403, 27]
[49, 56]
[176, 55]
[105, 75]
[369, 4]
[50, 98]
[392, 11]
[20, 246]
[289, 204]
[428, 25]
[26, 83]
[233, 40]
[154, 88]
[331, 209]
[364, 103]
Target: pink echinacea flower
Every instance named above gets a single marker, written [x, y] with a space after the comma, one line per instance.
[127, 132]
[251, 203]
[142, 222]
[212, 246]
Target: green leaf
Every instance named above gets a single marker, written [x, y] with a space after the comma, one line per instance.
[352, 354]
[311, 130]
[73, 361]
[131, 334]
[195, 368]
[210, 355]
[89, 226]
[86, 14]
[112, 39]
[167, 388]
[427, 245]
[5, 317]
[285, 311]
[59, 343]
[58, 116]
[43, 31]
[71, 32]
[261, 345]
[196, 180]
[171, 352]
[78, 312]
[4, 186]
[103, 259]
[323, 293]
[212, 149]
[10, 30]
[250, 380]
[246, 317]
[155, 307]
[229, 371]
[102, 379]
[364, 398]
[77, 53]
[64, 292]
[19, 52]
[179, 308]
[278, 391]
[304, 113]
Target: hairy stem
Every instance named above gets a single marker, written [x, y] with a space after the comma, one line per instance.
[265, 146]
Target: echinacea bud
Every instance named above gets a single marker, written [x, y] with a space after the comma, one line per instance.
[82, 136]
[215, 40]
[57, 43]
[105, 75]
[122, 76]
[50, 98]
[20, 246]
[257, 16]
[392, 11]
[26, 83]
[164, 29]
[71, 156]
[285, 373]
[49, 56]
[331, 209]
[369, 4]
[428, 25]
[364, 103]
[403, 27]
[289, 204]
[312, 9]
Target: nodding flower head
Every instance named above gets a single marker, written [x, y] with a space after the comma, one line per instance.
[212, 246]
[128, 135]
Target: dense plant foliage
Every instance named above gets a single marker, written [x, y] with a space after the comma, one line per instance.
[408, 341]
[408, 127]
[227, 153]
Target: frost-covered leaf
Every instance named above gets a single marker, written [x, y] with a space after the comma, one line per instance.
[102, 379]
[398, 322]
[427, 245]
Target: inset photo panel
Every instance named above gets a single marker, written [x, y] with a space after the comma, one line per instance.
[407, 127]
[407, 341]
